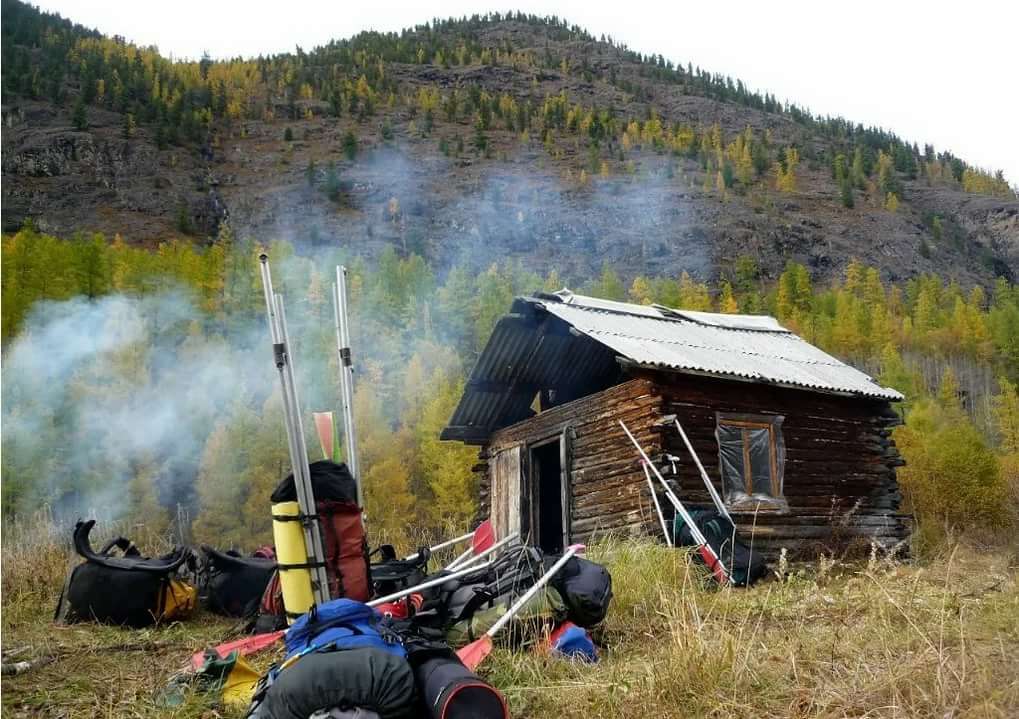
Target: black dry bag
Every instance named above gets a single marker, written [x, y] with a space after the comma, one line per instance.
[131, 590]
[585, 588]
[236, 583]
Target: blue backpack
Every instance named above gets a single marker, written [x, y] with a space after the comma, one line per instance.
[340, 624]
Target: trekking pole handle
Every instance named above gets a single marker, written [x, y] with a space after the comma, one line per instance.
[526, 597]
[424, 585]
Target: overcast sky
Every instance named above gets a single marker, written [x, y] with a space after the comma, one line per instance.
[938, 72]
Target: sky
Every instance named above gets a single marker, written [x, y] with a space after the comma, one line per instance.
[944, 73]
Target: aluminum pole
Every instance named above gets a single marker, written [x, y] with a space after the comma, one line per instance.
[291, 420]
[302, 472]
[711, 558]
[342, 326]
[719, 504]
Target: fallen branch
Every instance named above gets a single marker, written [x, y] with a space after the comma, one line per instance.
[16, 668]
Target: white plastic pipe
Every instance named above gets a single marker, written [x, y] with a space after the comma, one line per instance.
[494, 548]
[441, 545]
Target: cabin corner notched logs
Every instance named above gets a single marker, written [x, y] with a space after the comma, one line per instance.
[840, 461]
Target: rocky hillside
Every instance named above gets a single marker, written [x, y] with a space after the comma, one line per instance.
[473, 141]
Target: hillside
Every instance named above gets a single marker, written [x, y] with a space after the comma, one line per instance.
[503, 137]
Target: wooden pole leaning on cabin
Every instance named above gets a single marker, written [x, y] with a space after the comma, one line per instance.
[704, 549]
[341, 323]
[719, 505]
[658, 507]
[295, 435]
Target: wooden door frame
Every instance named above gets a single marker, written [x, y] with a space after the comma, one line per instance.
[564, 439]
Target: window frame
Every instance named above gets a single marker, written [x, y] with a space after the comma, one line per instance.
[776, 502]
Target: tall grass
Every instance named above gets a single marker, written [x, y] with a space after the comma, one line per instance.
[878, 638]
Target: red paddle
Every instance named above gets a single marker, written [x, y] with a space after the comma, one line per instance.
[247, 645]
[484, 537]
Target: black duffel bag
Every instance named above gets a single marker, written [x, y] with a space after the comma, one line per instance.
[236, 584]
[585, 588]
[129, 590]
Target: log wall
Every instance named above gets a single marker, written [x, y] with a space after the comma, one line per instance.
[840, 461]
[607, 486]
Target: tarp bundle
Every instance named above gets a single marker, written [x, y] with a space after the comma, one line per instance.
[743, 565]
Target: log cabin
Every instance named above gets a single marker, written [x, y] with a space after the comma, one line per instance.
[797, 443]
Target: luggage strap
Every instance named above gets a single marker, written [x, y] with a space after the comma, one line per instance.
[293, 517]
[301, 565]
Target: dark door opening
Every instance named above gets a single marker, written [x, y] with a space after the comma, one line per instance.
[547, 496]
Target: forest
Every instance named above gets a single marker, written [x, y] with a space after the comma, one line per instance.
[193, 104]
[138, 382]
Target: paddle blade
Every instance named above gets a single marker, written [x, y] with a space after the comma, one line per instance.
[246, 645]
[484, 537]
[474, 653]
[324, 428]
[714, 564]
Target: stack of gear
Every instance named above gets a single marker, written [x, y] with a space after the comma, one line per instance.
[742, 565]
[235, 584]
[343, 659]
[466, 606]
[343, 537]
[129, 590]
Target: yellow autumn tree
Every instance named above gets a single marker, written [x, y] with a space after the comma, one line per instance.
[445, 466]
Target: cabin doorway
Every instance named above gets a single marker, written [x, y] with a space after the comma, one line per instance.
[549, 495]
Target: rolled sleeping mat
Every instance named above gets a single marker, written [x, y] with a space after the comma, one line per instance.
[450, 690]
[288, 534]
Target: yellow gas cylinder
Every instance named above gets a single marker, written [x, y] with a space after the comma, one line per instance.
[290, 549]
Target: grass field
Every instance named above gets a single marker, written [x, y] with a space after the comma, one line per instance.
[933, 638]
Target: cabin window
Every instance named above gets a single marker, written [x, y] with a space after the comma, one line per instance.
[751, 456]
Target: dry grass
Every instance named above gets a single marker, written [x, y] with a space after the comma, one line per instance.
[938, 638]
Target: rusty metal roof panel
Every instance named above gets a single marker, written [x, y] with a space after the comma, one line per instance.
[728, 346]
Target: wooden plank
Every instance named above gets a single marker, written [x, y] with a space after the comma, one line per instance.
[506, 491]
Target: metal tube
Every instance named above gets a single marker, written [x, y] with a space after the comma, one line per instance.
[302, 472]
[341, 283]
[424, 585]
[658, 507]
[291, 420]
[494, 548]
[719, 505]
[342, 327]
[695, 531]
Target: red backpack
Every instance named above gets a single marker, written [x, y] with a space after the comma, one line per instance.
[343, 538]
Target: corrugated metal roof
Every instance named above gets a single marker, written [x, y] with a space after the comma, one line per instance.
[716, 344]
[565, 341]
